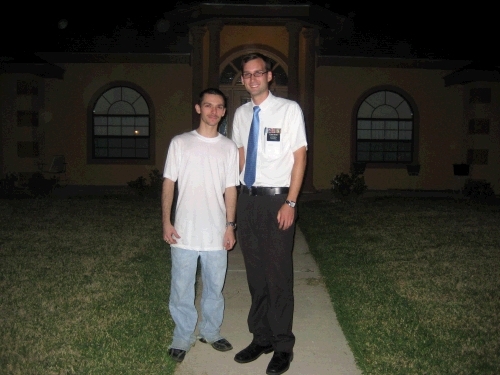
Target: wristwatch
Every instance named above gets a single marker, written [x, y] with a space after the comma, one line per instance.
[231, 224]
[290, 203]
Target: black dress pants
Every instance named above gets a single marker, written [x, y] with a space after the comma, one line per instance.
[267, 251]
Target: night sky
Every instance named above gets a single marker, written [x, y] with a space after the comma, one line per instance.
[415, 32]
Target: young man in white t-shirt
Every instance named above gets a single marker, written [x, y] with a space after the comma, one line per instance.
[204, 164]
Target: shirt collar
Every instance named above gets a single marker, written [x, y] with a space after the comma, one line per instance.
[267, 102]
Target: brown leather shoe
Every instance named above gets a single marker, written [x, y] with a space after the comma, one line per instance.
[280, 363]
[252, 352]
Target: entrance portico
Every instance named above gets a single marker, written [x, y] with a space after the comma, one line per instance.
[228, 32]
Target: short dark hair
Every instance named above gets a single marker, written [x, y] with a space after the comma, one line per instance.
[257, 55]
[212, 91]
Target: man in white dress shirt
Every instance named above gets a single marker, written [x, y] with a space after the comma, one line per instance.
[266, 211]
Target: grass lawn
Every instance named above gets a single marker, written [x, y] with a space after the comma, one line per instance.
[415, 283]
[84, 286]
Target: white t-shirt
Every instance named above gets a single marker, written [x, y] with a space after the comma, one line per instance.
[282, 131]
[203, 168]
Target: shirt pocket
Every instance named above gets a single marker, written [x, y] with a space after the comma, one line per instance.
[273, 142]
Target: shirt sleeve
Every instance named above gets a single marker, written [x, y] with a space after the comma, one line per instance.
[233, 175]
[171, 170]
[298, 136]
[236, 129]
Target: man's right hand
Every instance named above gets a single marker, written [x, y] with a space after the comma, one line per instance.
[170, 234]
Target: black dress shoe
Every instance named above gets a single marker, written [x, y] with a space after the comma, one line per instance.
[221, 345]
[280, 363]
[177, 354]
[252, 352]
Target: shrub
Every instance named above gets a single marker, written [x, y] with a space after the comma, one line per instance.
[348, 185]
[37, 186]
[156, 181]
[40, 187]
[478, 189]
[8, 185]
[151, 189]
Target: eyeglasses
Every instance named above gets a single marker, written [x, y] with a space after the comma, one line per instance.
[256, 74]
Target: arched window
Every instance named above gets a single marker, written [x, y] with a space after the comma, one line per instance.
[385, 129]
[121, 125]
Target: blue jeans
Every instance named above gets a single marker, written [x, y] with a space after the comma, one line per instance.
[182, 295]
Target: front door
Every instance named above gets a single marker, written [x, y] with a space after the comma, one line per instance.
[235, 98]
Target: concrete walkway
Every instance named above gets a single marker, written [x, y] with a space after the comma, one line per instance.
[320, 348]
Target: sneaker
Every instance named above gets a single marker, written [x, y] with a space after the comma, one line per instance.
[177, 354]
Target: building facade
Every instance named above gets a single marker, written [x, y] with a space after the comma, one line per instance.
[112, 115]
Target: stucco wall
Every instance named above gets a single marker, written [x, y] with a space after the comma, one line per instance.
[64, 117]
[233, 36]
[440, 125]
[442, 121]
[491, 141]
[11, 133]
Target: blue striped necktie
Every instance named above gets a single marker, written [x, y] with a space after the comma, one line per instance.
[253, 141]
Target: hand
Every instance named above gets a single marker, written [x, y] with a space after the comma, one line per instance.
[286, 216]
[229, 238]
[170, 234]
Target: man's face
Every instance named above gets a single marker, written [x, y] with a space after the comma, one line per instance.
[211, 109]
[256, 85]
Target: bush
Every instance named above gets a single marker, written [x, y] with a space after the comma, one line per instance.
[8, 185]
[40, 187]
[348, 185]
[37, 186]
[156, 181]
[151, 189]
[478, 189]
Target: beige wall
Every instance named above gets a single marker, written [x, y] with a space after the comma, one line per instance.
[491, 142]
[440, 125]
[11, 134]
[64, 118]
[443, 114]
[233, 37]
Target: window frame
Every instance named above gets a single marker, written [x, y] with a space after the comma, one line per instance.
[479, 126]
[415, 136]
[480, 95]
[477, 156]
[91, 159]
[25, 87]
[28, 118]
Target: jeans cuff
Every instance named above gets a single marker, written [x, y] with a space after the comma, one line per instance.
[181, 344]
[210, 339]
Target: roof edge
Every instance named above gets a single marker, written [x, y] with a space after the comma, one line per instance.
[390, 62]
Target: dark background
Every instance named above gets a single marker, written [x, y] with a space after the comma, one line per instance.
[398, 30]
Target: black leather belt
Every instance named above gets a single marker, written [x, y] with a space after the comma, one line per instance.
[262, 190]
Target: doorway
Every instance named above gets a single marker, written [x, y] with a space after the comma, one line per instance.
[230, 84]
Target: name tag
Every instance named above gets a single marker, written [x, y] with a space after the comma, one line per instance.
[273, 134]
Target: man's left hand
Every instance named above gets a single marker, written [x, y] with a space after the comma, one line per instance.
[229, 238]
[286, 216]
